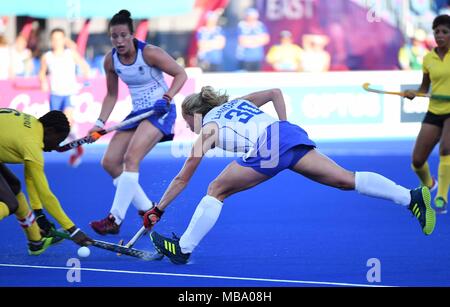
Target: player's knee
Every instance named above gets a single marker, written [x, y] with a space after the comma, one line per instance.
[217, 189]
[131, 162]
[418, 162]
[110, 165]
[346, 182]
[12, 205]
[15, 186]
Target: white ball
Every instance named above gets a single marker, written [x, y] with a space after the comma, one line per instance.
[84, 251]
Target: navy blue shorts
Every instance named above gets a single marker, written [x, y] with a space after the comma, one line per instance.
[282, 146]
[60, 103]
[164, 122]
[435, 120]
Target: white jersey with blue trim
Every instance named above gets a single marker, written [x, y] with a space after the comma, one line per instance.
[145, 83]
[241, 124]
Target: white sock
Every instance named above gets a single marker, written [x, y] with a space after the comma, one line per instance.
[140, 199]
[204, 218]
[375, 185]
[126, 187]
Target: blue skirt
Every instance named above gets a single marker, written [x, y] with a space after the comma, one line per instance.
[280, 148]
[163, 122]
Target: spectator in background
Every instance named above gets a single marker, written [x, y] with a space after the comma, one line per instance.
[315, 57]
[61, 64]
[410, 56]
[211, 42]
[21, 64]
[252, 37]
[285, 56]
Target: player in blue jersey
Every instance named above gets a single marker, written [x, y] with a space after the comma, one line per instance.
[269, 146]
[140, 66]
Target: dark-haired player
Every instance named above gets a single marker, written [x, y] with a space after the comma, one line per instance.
[140, 66]
[23, 138]
[436, 124]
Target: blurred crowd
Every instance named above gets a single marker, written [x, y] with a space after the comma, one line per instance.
[254, 49]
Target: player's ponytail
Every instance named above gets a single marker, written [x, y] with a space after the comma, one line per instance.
[56, 120]
[123, 17]
[204, 101]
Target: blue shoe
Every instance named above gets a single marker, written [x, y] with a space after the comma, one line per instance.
[420, 206]
[440, 205]
[169, 247]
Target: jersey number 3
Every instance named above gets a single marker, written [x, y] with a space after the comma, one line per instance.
[243, 112]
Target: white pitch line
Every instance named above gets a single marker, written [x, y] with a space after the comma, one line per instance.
[193, 275]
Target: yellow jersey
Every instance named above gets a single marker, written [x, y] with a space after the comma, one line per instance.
[439, 71]
[22, 142]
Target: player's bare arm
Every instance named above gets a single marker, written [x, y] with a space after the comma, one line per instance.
[204, 142]
[157, 57]
[275, 95]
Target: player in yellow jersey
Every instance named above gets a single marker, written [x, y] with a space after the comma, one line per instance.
[23, 138]
[436, 124]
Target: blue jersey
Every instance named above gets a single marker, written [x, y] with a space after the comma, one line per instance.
[145, 83]
[213, 56]
[250, 54]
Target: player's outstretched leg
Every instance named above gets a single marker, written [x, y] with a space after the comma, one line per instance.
[420, 206]
[169, 247]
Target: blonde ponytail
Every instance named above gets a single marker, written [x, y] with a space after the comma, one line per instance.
[204, 101]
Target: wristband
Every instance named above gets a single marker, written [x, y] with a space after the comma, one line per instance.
[159, 212]
[167, 98]
[100, 123]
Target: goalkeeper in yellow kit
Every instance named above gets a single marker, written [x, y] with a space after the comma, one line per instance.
[23, 138]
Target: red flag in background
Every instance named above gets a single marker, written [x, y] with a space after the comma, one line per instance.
[142, 29]
[82, 37]
[27, 27]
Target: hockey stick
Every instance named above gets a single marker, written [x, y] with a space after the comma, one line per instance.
[96, 135]
[367, 87]
[133, 240]
[148, 256]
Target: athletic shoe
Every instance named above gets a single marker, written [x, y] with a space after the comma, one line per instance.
[169, 247]
[106, 226]
[420, 206]
[37, 248]
[75, 159]
[440, 205]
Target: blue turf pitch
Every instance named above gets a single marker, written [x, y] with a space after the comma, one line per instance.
[288, 231]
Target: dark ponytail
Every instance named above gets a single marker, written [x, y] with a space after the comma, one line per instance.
[123, 17]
